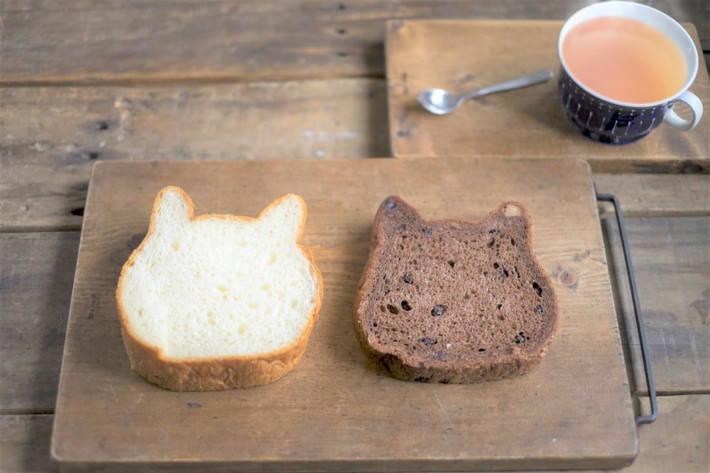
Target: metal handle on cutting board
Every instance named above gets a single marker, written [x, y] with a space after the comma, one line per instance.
[640, 419]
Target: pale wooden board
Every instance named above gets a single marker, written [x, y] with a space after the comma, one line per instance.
[84, 41]
[36, 275]
[462, 55]
[671, 257]
[334, 411]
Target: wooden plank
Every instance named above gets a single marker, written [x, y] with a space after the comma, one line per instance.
[51, 137]
[461, 55]
[671, 257]
[677, 441]
[340, 413]
[114, 41]
[36, 276]
[656, 195]
[24, 443]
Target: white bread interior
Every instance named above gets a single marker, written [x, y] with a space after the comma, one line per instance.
[219, 292]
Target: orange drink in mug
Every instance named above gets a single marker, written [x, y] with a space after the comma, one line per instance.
[624, 67]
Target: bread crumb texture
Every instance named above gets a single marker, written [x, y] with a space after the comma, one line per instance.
[206, 295]
[453, 301]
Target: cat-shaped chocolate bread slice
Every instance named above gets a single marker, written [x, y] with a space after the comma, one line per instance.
[218, 301]
[453, 301]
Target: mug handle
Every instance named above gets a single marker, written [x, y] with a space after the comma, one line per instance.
[696, 106]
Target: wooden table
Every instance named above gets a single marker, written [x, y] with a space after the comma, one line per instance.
[82, 82]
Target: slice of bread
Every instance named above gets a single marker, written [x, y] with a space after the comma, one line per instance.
[452, 301]
[218, 301]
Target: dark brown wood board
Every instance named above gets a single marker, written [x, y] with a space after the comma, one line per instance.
[463, 55]
[335, 410]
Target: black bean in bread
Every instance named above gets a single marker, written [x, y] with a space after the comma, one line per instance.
[453, 301]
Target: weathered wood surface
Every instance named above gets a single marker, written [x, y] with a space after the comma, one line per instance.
[464, 55]
[677, 442]
[24, 443]
[52, 248]
[339, 414]
[52, 136]
[671, 257]
[656, 195]
[132, 42]
[37, 271]
[36, 277]
[44, 248]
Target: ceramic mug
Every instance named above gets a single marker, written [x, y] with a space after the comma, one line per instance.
[617, 122]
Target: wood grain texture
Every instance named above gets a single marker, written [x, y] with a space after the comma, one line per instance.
[460, 55]
[679, 440]
[42, 264]
[37, 271]
[334, 410]
[146, 41]
[36, 276]
[671, 257]
[656, 195]
[51, 137]
[24, 443]
[24, 440]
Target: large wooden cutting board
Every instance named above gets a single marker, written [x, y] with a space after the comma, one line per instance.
[335, 410]
[463, 55]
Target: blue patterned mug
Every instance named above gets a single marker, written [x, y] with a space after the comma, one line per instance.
[616, 122]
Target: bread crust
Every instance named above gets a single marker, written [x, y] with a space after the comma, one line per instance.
[213, 373]
[438, 371]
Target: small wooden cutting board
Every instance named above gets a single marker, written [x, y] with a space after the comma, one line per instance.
[336, 411]
[464, 55]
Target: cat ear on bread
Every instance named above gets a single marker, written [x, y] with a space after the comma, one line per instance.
[173, 207]
[511, 209]
[289, 212]
[509, 212]
[394, 206]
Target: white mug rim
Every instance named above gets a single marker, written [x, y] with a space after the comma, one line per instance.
[604, 5]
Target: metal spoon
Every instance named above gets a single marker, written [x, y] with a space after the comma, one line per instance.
[441, 102]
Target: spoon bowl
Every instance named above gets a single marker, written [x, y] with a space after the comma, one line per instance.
[439, 101]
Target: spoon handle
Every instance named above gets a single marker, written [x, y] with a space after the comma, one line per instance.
[524, 81]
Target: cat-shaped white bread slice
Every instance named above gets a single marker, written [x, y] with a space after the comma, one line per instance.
[218, 301]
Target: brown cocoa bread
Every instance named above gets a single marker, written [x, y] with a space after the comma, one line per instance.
[452, 301]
